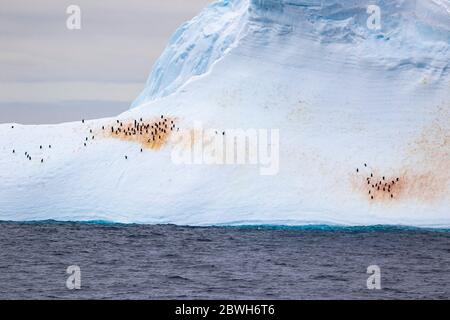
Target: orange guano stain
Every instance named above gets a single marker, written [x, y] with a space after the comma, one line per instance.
[405, 186]
[149, 133]
[426, 175]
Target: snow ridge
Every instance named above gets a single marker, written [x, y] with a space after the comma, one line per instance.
[407, 28]
[194, 47]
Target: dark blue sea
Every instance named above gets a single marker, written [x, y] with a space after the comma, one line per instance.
[172, 262]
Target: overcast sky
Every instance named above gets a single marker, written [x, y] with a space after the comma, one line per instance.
[51, 74]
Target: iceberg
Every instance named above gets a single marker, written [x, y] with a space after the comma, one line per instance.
[359, 97]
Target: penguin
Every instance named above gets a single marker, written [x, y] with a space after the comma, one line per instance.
[49, 146]
[40, 147]
[82, 121]
[126, 157]
[141, 148]
[14, 151]
[42, 160]
[357, 170]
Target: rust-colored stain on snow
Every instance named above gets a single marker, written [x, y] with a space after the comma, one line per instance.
[149, 133]
[406, 185]
[426, 174]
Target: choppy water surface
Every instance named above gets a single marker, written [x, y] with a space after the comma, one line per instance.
[170, 262]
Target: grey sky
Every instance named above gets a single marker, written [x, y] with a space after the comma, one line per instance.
[51, 74]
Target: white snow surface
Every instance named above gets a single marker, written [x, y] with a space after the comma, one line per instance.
[341, 94]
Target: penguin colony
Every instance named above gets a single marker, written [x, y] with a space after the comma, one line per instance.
[150, 134]
[380, 187]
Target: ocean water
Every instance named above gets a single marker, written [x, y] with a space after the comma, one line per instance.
[171, 262]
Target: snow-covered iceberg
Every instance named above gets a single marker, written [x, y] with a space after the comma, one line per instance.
[359, 94]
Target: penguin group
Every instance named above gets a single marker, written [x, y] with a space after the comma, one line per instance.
[28, 155]
[380, 187]
[151, 133]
